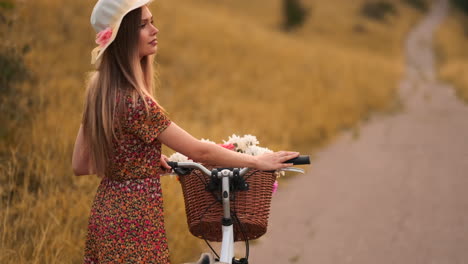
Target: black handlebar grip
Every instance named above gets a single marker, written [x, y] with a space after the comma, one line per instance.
[178, 170]
[173, 164]
[301, 160]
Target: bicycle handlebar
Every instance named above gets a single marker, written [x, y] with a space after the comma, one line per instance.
[183, 168]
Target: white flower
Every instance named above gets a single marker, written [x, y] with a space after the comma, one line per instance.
[207, 140]
[242, 143]
[236, 141]
[279, 174]
[251, 140]
[257, 151]
[177, 157]
[232, 139]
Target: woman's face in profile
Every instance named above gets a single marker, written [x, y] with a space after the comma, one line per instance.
[147, 43]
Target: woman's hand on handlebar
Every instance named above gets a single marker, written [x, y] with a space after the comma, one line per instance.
[274, 161]
[164, 165]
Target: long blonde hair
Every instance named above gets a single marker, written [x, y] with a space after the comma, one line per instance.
[120, 72]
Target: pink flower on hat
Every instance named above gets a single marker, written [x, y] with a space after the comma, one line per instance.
[103, 37]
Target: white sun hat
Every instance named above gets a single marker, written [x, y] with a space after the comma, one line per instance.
[106, 18]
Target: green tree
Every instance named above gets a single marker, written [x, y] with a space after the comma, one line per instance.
[294, 14]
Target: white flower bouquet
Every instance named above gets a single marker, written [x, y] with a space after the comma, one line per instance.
[247, 144]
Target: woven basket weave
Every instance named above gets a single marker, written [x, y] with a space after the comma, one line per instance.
[204, 211]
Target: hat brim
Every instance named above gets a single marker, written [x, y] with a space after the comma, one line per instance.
[96, 53]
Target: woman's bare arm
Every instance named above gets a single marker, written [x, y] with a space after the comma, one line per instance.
[179, 140]
[80, 159]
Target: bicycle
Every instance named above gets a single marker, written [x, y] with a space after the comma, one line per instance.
[228, 181]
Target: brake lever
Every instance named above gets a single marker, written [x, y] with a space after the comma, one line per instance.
[182, 171]
[293, 170]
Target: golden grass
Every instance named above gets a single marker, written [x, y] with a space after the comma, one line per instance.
[224, 68]
[451, 44]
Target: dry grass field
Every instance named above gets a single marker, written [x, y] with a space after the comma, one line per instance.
[451, 43]
[224, 68]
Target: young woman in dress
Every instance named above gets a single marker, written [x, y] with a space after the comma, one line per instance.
[120, 140]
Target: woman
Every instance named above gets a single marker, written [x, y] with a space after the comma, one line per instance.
[120, 140]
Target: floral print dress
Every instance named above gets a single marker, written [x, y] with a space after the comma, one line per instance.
[126, 223]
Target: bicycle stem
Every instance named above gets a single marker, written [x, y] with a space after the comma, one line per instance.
[225, 174]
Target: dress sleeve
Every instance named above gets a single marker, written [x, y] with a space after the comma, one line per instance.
[145, 127]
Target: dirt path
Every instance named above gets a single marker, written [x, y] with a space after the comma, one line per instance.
[397, 194]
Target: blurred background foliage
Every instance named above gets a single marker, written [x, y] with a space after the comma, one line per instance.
[295, 73]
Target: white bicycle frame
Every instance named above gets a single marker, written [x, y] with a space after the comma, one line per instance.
[227, 244]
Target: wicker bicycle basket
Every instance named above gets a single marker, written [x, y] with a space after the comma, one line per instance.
[204, 209]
